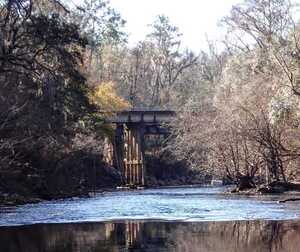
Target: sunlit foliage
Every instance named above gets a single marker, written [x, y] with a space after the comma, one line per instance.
[106, 98]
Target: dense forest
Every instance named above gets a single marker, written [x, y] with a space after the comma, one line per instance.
[247, 126]
[65, 67]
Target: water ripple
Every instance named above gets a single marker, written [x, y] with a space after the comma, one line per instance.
[185, 204]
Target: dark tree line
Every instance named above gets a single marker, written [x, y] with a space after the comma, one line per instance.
[44, 101]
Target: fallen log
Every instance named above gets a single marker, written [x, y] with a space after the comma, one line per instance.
[287, 200]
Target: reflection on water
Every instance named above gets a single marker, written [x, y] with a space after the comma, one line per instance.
[239, 236]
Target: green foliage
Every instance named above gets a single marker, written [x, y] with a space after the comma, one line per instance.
[100, 23]
[43, 93]
[165, 35]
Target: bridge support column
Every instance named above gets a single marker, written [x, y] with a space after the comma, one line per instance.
[118, 151]
[134, 155]
[128, 146]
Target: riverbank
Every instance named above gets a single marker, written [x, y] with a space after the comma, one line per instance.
[14, 199]
[276, 187]
[284, 194]
[77, 177]
[17, 199]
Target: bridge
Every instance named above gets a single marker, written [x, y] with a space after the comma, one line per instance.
[127, 150]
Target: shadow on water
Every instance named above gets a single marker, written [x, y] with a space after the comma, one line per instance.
[233, 236]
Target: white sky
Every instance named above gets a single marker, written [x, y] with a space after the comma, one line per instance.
[195, 18]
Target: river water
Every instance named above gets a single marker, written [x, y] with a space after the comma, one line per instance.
[170, 219]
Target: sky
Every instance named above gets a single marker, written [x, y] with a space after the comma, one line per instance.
[196, 19]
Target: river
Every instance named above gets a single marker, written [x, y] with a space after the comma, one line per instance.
[169, 219]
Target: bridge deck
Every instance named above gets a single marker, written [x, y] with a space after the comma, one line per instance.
[147, 117]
